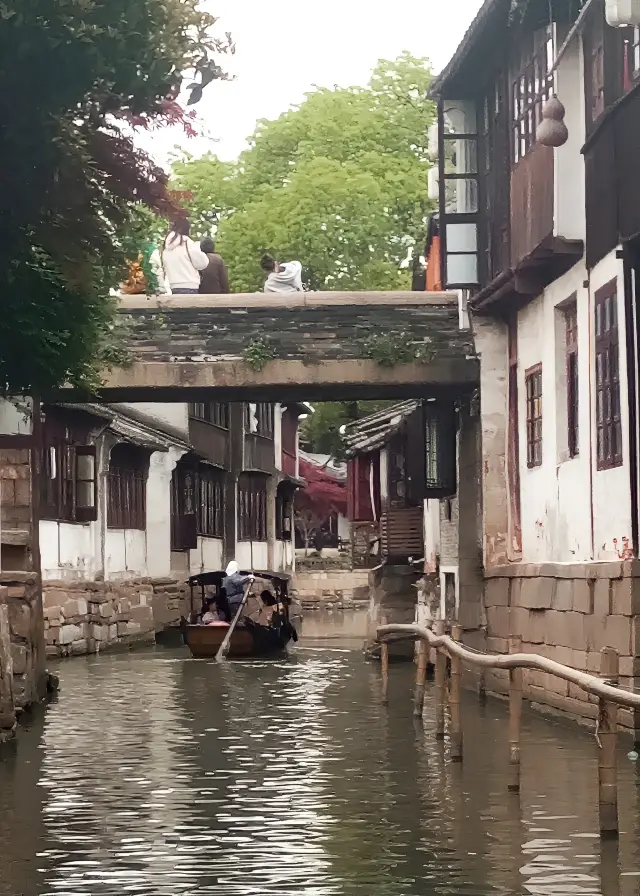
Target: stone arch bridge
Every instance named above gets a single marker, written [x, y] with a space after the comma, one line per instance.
[313, 346]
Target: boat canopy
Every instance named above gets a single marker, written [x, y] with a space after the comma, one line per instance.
[215, 577]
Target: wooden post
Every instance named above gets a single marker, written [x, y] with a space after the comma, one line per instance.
[421, 678]
[607, 735]
[515, 717]
[384, 665]
[454, 700]
[440, 684]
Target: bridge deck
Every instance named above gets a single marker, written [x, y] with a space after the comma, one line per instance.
[319, 346]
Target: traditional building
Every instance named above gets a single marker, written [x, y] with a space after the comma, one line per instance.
[539, 231]
[135, 498]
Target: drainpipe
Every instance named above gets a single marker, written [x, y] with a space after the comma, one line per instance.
[591, 430]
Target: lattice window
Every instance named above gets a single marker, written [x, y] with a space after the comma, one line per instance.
[127, 488]
[533, 392]
[215, 412]
[252, 507]
[608, 420]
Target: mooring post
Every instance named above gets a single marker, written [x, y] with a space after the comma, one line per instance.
[606, 736]
[515, 717]
[454, 699]
[384, 665]
[421, 678]
[440, 680]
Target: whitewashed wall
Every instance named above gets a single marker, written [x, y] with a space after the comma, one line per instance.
[569, 174]
[284, 556]
[252, 555]
[611, 488]
[556, 497]
[174, 414]
[208, 556]
[70, 551]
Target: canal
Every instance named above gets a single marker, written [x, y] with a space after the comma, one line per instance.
[158, 774]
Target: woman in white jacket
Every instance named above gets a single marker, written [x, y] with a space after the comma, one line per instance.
[182, 260]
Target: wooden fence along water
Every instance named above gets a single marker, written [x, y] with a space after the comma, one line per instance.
[610, 697]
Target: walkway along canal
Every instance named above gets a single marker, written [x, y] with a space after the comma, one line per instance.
[158, 774]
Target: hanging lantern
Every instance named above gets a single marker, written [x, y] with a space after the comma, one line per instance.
[552, 131]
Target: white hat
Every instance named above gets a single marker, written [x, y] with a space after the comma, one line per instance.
[232, 568]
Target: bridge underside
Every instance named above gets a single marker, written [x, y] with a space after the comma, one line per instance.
[314, 346]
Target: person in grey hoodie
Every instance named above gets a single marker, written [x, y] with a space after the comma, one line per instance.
[281, 277]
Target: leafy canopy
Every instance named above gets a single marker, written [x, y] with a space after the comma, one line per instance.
[338, 183]
[73, 73]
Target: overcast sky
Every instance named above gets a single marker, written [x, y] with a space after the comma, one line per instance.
[285, 47]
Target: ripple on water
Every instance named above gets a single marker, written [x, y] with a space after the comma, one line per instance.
[155, 774]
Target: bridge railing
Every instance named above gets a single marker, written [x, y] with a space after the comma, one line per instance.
[448, 687]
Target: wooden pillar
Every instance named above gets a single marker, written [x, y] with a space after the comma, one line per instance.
[607, 743]
[515, 717]
[421, 678]
[384, 665]
[454, 700]
[440, 681]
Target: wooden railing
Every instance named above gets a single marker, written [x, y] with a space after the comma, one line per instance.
[610, 697]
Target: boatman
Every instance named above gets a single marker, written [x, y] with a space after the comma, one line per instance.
[234, 583]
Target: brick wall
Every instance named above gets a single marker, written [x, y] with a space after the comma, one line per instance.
[88, 617]
[567, 613]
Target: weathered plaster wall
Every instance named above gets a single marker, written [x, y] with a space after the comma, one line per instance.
[252, 555]
[332, 588]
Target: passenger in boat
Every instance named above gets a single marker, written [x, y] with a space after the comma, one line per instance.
[233, 585]
[211, 613]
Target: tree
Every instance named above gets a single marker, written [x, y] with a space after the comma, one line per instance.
[338, 182]
[321, 430]
[75, 76]
[322, 496]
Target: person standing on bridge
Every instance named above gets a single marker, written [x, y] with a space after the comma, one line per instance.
[281, 277]
[182, 260]
[214, 280]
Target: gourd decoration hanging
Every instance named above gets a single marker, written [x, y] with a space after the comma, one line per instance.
[552, 131]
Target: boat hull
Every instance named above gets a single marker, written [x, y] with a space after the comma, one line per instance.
[204, 641]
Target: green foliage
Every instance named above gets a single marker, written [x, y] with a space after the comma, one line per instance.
[395, 347]
[338, 183]
[71, 179]
[320, 432]
[258, 353]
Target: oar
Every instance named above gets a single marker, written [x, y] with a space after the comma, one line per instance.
[224, 647]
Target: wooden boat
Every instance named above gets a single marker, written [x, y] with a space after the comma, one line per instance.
[263, 628]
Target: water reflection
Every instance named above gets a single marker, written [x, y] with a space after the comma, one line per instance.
[156, 774]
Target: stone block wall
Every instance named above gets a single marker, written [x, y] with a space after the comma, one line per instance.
[20, 594]
[89, 617]
[567, 613]
[15, 509]
[337, 589]
[7, 702]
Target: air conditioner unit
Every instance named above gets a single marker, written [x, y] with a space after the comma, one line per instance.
[433, 184]
[622, 13]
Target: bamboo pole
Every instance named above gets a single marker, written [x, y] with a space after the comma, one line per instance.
[384, 667]
[440, 684]
[421, 678]
[607, 735]
[454, 700]
[515, 717]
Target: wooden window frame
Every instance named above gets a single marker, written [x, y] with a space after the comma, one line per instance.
[60, 494]
[570, 315]
[210, 504]
[214, 412]
[284, 513]
[265, 419]
[252, 507]
[533, 393]
[531, 87]
[127, 488]
[609, 449]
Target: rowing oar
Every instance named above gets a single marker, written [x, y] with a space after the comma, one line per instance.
[224, 647]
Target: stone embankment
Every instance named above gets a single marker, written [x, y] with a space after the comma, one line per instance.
[89, 617]
[332, 589]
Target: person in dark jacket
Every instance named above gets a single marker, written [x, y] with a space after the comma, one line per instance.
[233, 584]
[214, 279]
